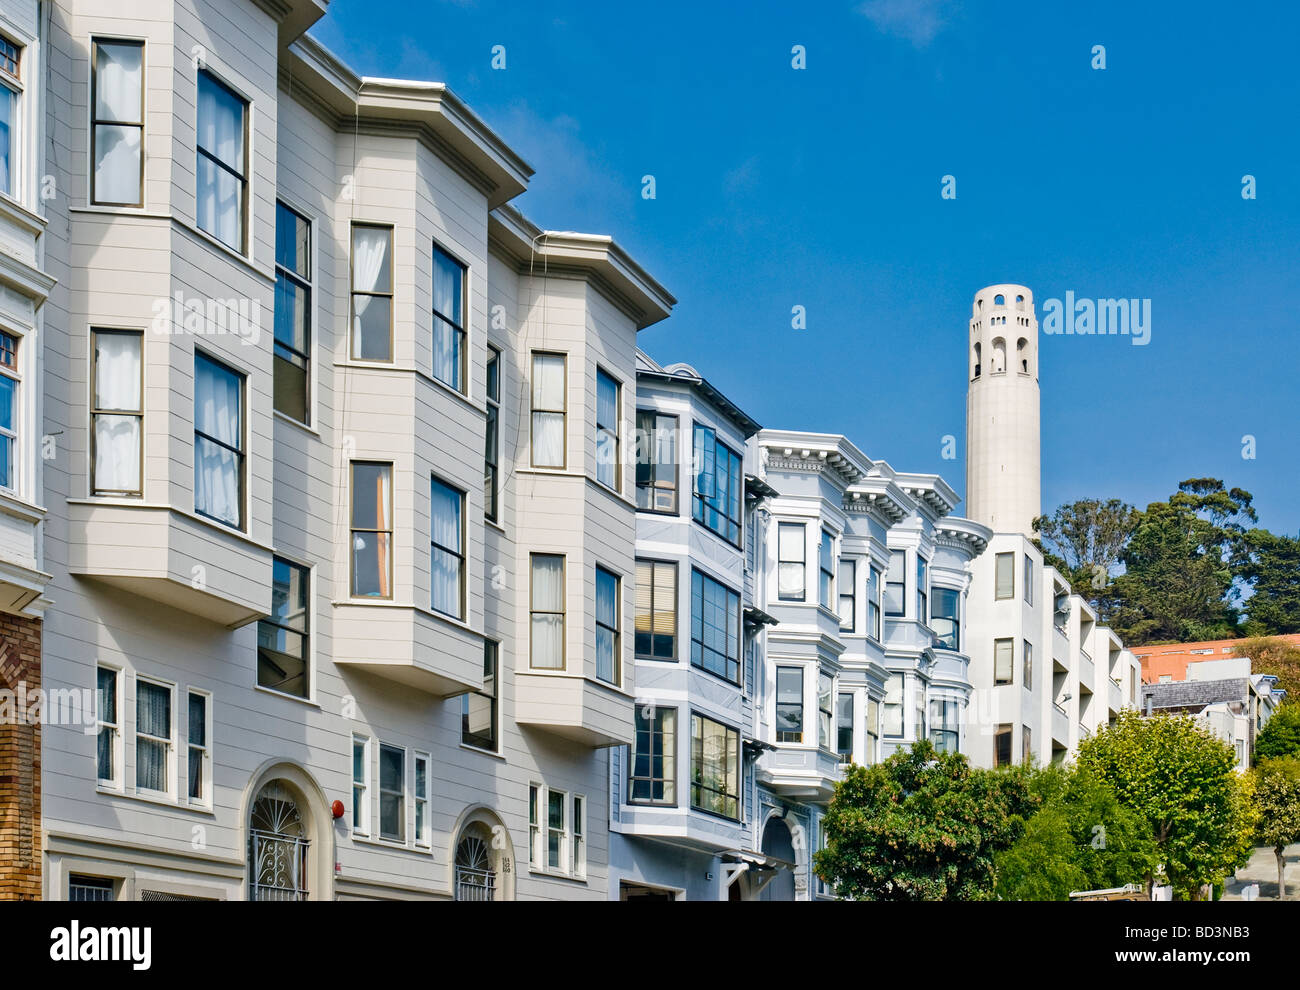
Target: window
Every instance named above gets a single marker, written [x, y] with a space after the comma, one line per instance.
[448, 320]
[922, 586]
[492, 456]
[109, 743]
[153, 736]
[893, 706]
[553, 828]
[1002, 746]
[421, 799]
[653, 779]
[549, 404]
[392, 793]
[826, 567]
[557, 832]
[1029, 579]
[718, 487]
[293, 313]
[579, 836]
[608, 449]
[1026, 745]
[656, 462]
[609, 646]
[872, 748]
[372, 530]
[790, 548]
[944, 717]
[82, 888]
[873, 603]
[11, 89]
[372, 293]
[447, 549]
[535, 859]
[715, 767]
[946, 620]
[361, 785]
[656, 610]
[478, 718]
[1005, 564]
[715, 627]
[825, 714]
[847, 580]
[200, 754]
[9, 410]
[221, 171]
[894, 584]
[789, 704]
[117, 412]
[918, 709]
[283, 637]
[1029, 665]
[1002, 672]
[546, 611]
[117, 122]
[218, 441]
[844, 726]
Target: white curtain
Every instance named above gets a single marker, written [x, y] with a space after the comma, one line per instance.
[446, 564]
[448, 278]
[221, 135]
[607, 431]
[606, 615]
[370, 273]
[217, 413]
[153, 717]
[548, 403]
[117, 98]
[117, 386]
[548, 597]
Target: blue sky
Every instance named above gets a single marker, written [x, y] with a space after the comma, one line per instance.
[821, 188]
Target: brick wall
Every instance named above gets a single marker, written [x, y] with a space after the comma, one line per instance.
[20, 763]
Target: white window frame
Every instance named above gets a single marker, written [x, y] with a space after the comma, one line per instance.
[16, 434]
[137, 735]
[421, 834]
[573, 853]
[18, 131]
[119, 742]
[578, 834]
[361, 802]
[404, 836]
[204, 800]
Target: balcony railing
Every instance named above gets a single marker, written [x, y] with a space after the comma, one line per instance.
[475, 885]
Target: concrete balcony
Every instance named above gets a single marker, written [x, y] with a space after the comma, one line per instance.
[907, 636]
[1114, 696]
[800, 772]
[171, 557]
[574, 707]
[1060, 645]
[1087, 670]
[682, 826]
[410, 646]
[951, 668]
[21, 581]
[1060, 725]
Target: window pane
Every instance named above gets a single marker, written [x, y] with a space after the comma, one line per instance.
[118, 81]
[117, 163]
[370, 496]
[372, 272]
[220, 203]
[446, 556]
[8, 105]
[220, 126]
[1002, 661]
[606, 626]
[1005, 577]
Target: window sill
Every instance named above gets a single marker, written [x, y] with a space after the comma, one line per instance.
[484, 752]
[494, 524]
[442, 617]
[13, 210]
[286, 418]
[393, 845]
[159, 799]
[556, 875]
[124, 211]
[138, 503]
[309, 702]
[242, 259]
[13, 504]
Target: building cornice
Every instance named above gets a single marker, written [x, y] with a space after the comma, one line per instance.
[815, 453]
[964, 535]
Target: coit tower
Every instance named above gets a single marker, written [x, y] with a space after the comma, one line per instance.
[1002, 466]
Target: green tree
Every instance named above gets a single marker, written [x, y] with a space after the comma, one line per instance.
[1272, 569]
[1273, 655]
[1084, 838]
[1181, 780]
[1179, 565]
[1281, 736]
[921, 826]
[1277, 803]
[1084, 540]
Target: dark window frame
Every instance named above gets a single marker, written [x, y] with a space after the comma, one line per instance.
[733, 612]
[732, 770]
[243, 179]
[437, 548]
[458, 326]
[654, 565]
[305, 283]
[655, 731]
[703, 503]
[648, 468]
[491, 673]
[241, 456]
[305, 633]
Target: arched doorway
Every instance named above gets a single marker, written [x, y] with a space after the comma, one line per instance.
[482, 860]
[779, 844]
[278, 846]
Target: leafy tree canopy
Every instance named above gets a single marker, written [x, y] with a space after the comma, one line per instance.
[1272, 568]
[1281, 736]
[1083, 540]
[1277, 803]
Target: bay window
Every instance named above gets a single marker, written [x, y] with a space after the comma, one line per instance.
[546, 612]
[549, 405]
[715, 767]
[292, 313]
[893, 711]
[372, 530]
[946, 620]
[392, 793]
[11, 89]
[447, 549]
[656, 461]
[825, 564]
[492, 454]
[844, 726]
[718, 485]
[218, 441]
[790, 567]
[895, 584]
[848, 593]
[1028, 665]
[944, 718]
[656, 610]
[653, 775]
[221, 169]
[825, 713]
[1029, 580]
[715, 627]
[116, 412]
[922, 590]
[873, 602]
[1002, 746]
[918, 709]
[609, 645]
[10, 410]
[871, 749]
[283, 660]
[789, 704]
[153, 736]
[1002, 660]
[117, 122]
[1004, 564]
[448, 320]
[478, 718]
[608, 450]
[372, 293]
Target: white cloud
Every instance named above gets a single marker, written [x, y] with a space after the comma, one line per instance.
[918, 21]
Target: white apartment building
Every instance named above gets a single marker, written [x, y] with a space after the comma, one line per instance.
[1046, 673]
[341, 526]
